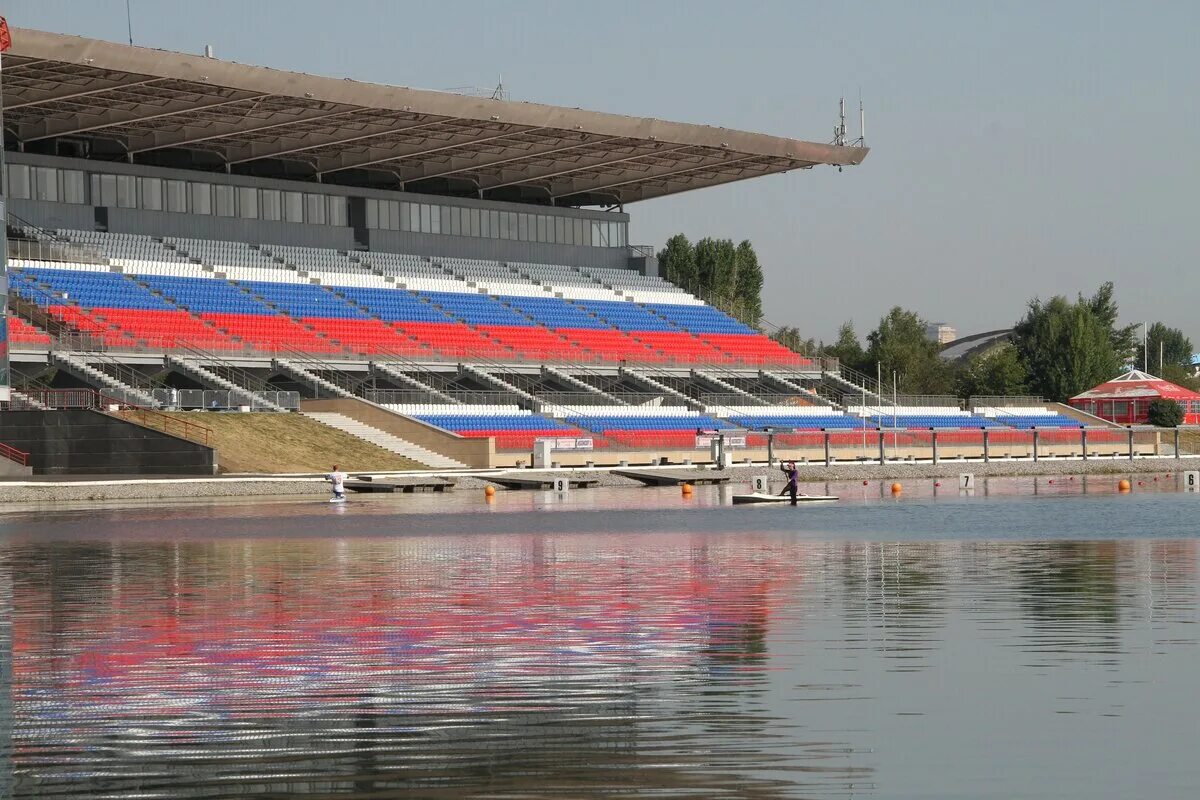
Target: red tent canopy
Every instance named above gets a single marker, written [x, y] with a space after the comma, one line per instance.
[1127, 398]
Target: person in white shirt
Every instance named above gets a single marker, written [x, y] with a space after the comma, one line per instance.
[338, 479]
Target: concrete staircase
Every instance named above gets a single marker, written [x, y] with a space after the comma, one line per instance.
[208, 377]
[385, 440]
[394, 374]
[654, 385]
[728, 387]
[80, 368]
[312, 379]
[807, 394]
[527, 400]
[28, 401]
[582, 386]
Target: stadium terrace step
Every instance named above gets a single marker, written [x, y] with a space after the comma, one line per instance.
[728, 387]
[77, 365]
[394, 373]
[501, 384]
[206, 376]
[582, 385]
[792, 386]
[646, 380]
[312, 379]
[230, 296]
[25, 401]
[385, 440]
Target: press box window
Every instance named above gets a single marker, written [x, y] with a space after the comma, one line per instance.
[177, 196]
[45, 184]
[201, 198]
[151, 190]
[224, 200]
[17, 181]
[74, 187]
[272, 204]
[337, 211]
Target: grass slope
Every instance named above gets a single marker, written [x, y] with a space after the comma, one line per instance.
[271, 442]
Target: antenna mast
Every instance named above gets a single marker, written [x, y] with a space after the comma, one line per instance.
[839, 131]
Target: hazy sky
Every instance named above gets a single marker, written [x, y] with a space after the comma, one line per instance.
[1018, 149]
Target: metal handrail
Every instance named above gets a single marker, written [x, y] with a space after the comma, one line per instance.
[339, 378]
[14, 455]
[93, 400]
[241, 378]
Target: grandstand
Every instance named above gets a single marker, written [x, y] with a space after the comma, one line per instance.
[191, 233]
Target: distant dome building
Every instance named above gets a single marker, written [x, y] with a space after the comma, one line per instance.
[1126, 399]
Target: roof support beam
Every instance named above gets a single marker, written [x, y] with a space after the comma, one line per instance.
[598, 163]
[75, 93]
[336, 140]
[657, 174]
[419, 152]
[126, 118]
[185, 138]
[506, 158]
[644, 191]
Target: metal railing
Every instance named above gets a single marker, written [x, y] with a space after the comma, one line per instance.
[417, 397]
[224, 399]
[219, 366]
[54, 251]
[116, 405]
[323, 370]
[1003, 401]
[14, 455]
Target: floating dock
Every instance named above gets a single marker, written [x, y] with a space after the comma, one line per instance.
[535, 482]
[670, 478]
[399, 484]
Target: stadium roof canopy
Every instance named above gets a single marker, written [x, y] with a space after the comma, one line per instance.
[116, 102]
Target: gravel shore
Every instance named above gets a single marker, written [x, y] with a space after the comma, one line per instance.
[51, 491]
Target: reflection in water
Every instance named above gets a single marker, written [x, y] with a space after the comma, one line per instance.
[755, 664]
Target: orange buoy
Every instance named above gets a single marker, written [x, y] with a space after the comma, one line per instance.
[1124, 485]
[865, 483]
[489, 491]
[1051, 480]
[686, 489]
[897, 488]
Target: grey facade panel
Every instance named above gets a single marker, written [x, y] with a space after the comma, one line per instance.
[53, 215]
[144, 171]
[431, 244]
[234, 229]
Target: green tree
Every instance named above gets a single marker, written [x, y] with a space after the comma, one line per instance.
[792, 339]
[1066, 347]
[726, 275]
[1103, 305]
[847, 349]
[714, 269]
[996, 372]
[748, 283]
[899, 345]
[1165, 413]
[677, 262]
[1175, 348]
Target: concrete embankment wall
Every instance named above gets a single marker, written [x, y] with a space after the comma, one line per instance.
[17, 492]
[78, 441]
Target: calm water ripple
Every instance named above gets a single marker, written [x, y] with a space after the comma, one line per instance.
[990, 647]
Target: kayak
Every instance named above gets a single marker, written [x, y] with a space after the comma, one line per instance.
[759, 497]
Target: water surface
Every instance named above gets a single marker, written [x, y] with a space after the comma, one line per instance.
[612, 642]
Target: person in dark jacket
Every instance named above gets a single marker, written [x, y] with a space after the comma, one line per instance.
[793, 479]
